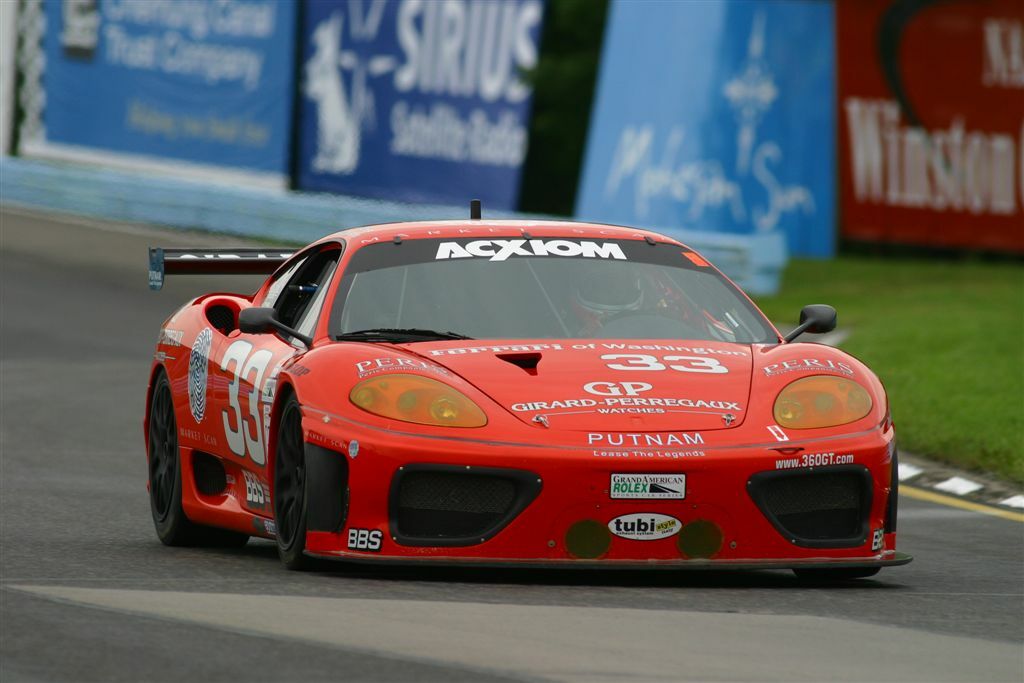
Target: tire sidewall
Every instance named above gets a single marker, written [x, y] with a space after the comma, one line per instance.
[292, 555]
[171, 527]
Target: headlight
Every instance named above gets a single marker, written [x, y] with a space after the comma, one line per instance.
[821, 401]
[412, 398]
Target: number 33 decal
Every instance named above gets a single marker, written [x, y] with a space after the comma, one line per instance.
[245, 435]
[639, 361]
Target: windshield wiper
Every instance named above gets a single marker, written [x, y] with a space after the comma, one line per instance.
[397, 334]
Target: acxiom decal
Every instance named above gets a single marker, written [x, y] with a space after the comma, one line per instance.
[501, 250]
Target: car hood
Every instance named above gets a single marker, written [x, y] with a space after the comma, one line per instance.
[627, 385]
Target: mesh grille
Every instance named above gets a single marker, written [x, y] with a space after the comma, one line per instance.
[441, 505]
[796, 495]
[824, 506]
[456, 492]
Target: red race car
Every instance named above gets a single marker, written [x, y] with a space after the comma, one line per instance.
[514, 393]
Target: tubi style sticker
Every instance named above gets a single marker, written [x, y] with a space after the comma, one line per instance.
[644, 526]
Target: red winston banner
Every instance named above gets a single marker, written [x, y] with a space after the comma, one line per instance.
[931, 131]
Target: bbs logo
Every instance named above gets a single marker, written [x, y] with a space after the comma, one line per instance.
[198, 368]
[364, 539]
[255, 493]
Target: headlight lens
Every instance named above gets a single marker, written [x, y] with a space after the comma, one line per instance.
[821, 401]
[412, 398]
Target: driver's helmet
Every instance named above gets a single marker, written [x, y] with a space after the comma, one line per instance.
[599, 296]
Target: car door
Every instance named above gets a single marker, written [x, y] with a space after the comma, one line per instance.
[249, 364]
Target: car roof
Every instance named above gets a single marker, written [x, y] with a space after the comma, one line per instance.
[467, 229]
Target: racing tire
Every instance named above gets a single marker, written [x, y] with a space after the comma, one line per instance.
[290, 494]
[846, 574]
[173, 528]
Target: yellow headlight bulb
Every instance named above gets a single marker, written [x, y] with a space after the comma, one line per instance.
[790, 410]
[443, 409]
[407, 401]
[364, 397]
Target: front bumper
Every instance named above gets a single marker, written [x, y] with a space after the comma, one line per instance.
[719, 524]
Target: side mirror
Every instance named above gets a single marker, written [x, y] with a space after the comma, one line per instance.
[256, 320]
[259, 320]
[815, 318]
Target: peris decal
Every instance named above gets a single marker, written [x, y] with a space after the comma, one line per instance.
[807, 364]
[198, 371]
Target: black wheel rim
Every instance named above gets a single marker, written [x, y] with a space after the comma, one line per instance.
[163, 452]
[289, 477]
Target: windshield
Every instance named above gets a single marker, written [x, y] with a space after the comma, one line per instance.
[548, 288]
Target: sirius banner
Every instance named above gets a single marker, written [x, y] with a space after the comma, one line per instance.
[716, 116]
[931, 134]
[147, 82]
[417, 101]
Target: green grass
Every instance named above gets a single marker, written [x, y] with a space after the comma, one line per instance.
[947, 340]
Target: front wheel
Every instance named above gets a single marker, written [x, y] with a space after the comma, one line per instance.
[844, 574]
[290, 488]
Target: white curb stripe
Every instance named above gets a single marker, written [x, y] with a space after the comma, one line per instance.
[907, 472]
[959, 486]
[1014, 502]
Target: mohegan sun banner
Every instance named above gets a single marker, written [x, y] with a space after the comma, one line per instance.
[716, 116]
[202, 82]
[417, 101]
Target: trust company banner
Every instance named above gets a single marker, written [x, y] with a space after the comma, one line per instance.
[716, 116]
[417, 101]
[205, 82]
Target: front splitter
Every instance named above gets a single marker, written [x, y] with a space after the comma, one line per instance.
[895, 560]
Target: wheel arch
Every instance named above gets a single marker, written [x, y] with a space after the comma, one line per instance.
[327, 470]
[154, 375]
[285, 390]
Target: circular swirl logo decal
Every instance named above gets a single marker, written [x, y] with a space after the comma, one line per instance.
[198, 369]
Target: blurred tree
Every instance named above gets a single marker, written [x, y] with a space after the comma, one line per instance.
[563, 90]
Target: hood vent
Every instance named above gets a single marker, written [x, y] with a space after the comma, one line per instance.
[526, 361]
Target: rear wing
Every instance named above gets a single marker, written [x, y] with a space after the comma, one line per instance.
[212, 262]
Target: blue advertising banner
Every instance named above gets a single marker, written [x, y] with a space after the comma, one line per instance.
[716, 116]
[202, 81]
[417, 101]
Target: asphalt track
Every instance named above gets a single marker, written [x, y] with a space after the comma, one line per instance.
[88, 593]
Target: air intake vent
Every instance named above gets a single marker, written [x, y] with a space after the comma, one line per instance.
[221, 317]
[446, 505]
[210, 478]
[825, 508]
